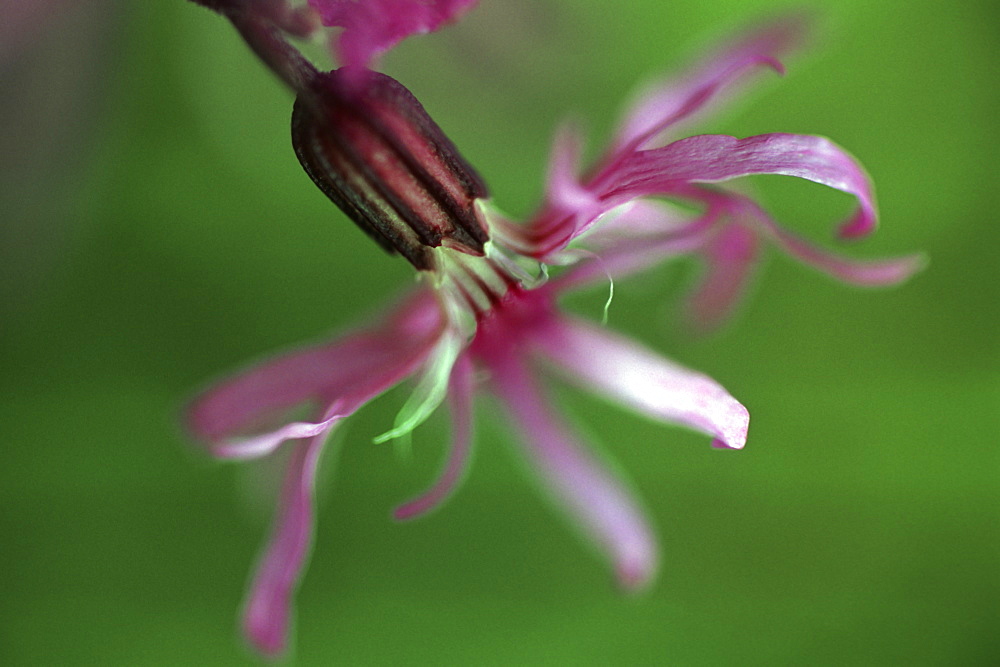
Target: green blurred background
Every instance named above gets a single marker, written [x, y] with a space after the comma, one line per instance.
[158, 232]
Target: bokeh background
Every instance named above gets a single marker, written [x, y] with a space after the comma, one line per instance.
[157, 232]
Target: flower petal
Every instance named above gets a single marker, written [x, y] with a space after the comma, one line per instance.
[372, 27]
[564, 192]
[630, 254]
[261, 445]
[268, 610]
[602, 506]
[865, 273]
[460, 402]
[636, 377]
[365, 362]
[712, 158]
[729, 257]
[700, 89]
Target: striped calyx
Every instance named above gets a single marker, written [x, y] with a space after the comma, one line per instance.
[370, 146]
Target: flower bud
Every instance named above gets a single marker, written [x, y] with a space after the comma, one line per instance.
[369, 145]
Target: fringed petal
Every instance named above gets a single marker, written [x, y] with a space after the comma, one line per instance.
[864, 273]
[262, 445]
[730, 257]
[598, 502]
[703, 87]
[372, 27]
[638, 378]
[564, 192]
[267, 613]
[713, 158]
[636, 247]
[460, 392]
[363, 363]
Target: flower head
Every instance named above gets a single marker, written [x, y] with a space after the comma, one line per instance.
[487, 311]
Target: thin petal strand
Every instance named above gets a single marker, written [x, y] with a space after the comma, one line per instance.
[367, 361]
[703, 87]
[713, 158]
[372, 27]
[638, 378]
[729, 258]
[262, 445]
[460, 403]
[268, 611]
[601, 505]
[865, 273]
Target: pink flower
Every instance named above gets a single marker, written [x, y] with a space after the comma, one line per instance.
[487, 312]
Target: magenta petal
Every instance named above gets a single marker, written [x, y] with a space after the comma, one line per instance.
[372, 27]
[866, 273]
[730, 257]
[565, 194]
[636, 247]
[665, 107]
[268, 610]
[460, 402]
[261, 445]
[712, 158]
[628, 373]
[602, 506]
[701, 89]
[365, 362]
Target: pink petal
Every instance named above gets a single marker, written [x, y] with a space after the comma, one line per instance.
[631, 254]
[372, 27]
[866, 273]
[700, 89]
[597, 501]
[569, 207]
[639, 219]
[712, 158]
[262, 445]
[268, 609]
[565, 194]
[636, 377]
[365, 363]
[730, 257]
[460, 402]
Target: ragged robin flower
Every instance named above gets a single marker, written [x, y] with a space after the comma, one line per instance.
[487, 309]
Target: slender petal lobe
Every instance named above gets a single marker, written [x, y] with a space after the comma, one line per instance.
[268, 610]
[602, 506]
[628, 373]
[730, 258]
[365, 363]
[372, 27]
[713, 158]
[460, 404]
[704, 87]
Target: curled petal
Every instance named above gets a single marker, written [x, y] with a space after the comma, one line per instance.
[712, 158]
[639, 219]
[629, 254]
[729, 257]
[636, 377]
[602, 506]
[666, 107]
[702, 88]
[565, 194]
[865, 273]
[261, 445]
[460, 403]
[372, 27]
[268, 610]
[363, 363]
